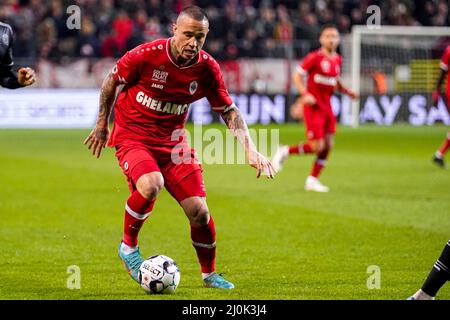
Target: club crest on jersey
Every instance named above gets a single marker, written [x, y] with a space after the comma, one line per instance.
[159, 75]
[193, 87]
[325, 65]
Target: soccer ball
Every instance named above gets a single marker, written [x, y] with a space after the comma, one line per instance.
[159, 274]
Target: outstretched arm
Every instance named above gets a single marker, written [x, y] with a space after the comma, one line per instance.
[12, 80]
[9, 78]
[98, 137]
[24, 77]
[237, 125]
[346, 91]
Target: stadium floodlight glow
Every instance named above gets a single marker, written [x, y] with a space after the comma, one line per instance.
[404, 59]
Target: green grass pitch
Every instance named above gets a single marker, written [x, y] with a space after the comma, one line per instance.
[389, 207]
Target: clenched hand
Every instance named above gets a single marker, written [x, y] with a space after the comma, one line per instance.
[26, 77]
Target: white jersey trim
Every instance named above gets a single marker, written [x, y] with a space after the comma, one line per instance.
[300, 70]
[225, 109]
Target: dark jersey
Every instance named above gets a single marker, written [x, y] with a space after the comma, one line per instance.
[8, 79]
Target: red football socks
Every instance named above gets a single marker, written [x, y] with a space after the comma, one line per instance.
[319, 164]
[443, 149]
[137, 211]
[300, 148]
[204, 241]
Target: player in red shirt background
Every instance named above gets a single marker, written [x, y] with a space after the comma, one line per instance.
[322, 68]
[160, 79]
[438, 157]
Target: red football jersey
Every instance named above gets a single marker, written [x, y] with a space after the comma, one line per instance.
[157, 92]
[445, 62]
[323, 73]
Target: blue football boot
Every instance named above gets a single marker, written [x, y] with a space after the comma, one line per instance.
[132, 262]
[216, 280]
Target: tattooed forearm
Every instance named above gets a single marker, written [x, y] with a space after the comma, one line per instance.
[237, 125]
[107, 98]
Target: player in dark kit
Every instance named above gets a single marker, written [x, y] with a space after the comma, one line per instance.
[8, 79]
[438, 276]
[322, 68]
[438, 157]
[161, 78]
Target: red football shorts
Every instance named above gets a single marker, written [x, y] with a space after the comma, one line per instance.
[318, 121]
[182, 179]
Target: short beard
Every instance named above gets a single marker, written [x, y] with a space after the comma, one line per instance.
[179, 59]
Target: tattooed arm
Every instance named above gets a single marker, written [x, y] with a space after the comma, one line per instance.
[237, 125]
[98, 137]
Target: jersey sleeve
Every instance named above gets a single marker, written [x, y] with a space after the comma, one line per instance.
[445, 61]
[7, 59]
[307, 63]
[128, 68]
[218, 95]
[8, 78]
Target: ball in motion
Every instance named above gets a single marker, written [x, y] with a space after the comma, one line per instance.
[159, 274]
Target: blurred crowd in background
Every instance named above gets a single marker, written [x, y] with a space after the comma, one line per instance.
[238, 28]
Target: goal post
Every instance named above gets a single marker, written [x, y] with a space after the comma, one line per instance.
[392, 60]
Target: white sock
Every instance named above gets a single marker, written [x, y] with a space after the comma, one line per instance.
[127, 249]
[206, 275]
[438, 154]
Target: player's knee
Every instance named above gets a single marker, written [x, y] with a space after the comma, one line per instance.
[150, 184]
[329, 143]
[317, 146]
[199, 214]
[202, 218]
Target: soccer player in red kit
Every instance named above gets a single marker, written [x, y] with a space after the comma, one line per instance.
[438, 157]
[160, 79]
[322, 68]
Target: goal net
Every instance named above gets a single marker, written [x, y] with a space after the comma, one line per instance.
[395, 69]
